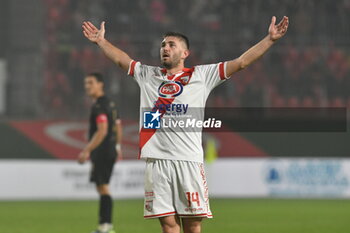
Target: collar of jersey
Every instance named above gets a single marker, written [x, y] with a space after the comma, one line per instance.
[186, 70]
[101, 97]
[179, 73]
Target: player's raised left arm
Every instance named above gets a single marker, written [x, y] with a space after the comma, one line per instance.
[97, 36]
[255, 52]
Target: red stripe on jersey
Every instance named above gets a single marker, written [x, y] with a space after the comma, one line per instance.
[187, 72]
[101, 118]
[132, 68]
[146, 134]
[222, 71]
[160, 215]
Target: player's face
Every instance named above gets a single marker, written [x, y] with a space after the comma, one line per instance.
[92, 87]
[172, 52]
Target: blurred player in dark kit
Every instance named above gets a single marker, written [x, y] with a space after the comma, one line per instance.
[105, 135]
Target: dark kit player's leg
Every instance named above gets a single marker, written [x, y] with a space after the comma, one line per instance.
[100, 175]
[106, 204]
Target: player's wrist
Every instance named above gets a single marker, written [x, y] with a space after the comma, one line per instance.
[101, 41]
[87, 150]
[271, 39]
[118, 146]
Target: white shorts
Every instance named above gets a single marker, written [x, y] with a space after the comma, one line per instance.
[175, 187]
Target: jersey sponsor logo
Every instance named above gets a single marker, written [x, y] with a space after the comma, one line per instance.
[170, 109]
[170, 89]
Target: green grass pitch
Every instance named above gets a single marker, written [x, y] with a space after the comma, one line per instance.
[230, 215]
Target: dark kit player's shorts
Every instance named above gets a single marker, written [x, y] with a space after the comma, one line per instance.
[101, 171]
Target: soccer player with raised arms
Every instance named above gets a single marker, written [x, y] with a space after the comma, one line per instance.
[175, 185]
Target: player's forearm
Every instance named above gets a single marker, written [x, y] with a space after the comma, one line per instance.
[249, 57]
[117, 55]
[119, 133]
[96, 140]
[255, 52]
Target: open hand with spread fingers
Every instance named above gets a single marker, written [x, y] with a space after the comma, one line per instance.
[92, 33]
[279, 30]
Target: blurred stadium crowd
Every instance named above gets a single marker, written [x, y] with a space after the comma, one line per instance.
[309, 67]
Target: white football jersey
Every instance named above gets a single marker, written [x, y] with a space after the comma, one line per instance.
[187, 89]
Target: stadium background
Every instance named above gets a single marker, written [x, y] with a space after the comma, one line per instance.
[44, 56]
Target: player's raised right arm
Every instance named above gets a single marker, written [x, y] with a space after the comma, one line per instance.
[97, 36]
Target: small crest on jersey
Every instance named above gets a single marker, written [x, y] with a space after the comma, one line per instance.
[149, 205]
[184, 80]
[170, 89]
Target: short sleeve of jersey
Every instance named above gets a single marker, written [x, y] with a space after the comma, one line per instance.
[213, 74]
[98, 111]
[102, 118]
[139, 71]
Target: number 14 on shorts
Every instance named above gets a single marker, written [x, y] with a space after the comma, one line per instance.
[193, 197]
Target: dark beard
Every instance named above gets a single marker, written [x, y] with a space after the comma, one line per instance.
[169, 65]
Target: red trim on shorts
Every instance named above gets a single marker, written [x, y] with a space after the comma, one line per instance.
[102, 118]
[196, 215]
[222, 70]
[205, 186]
[160, 215]
[132, 68]
[149, 194]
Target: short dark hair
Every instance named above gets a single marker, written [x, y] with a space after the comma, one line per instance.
[180, 36]
[98, 76]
